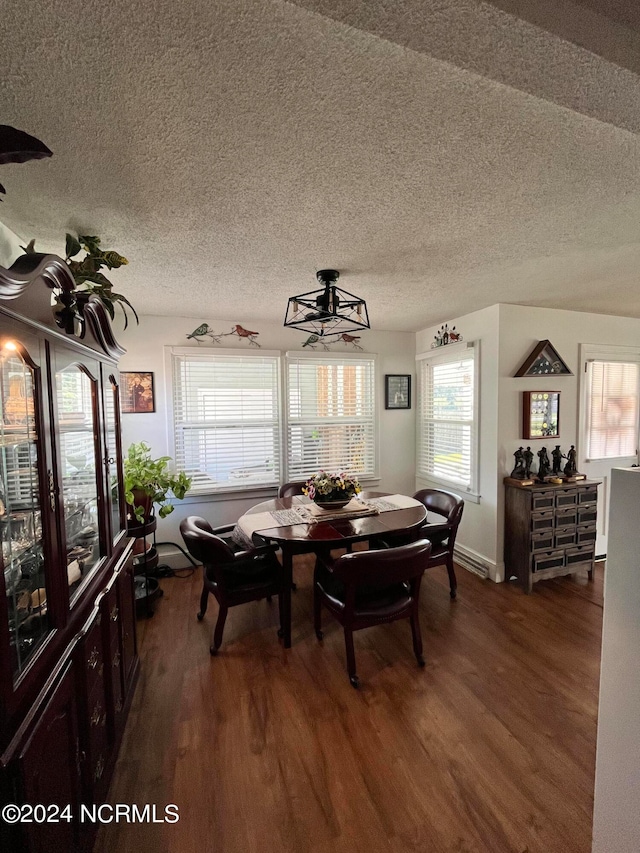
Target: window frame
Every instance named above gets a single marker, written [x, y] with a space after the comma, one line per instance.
[226, 492]
[603, 353]
[328, 358]
[446, 354]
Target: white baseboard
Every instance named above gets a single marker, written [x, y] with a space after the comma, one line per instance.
[477, 563]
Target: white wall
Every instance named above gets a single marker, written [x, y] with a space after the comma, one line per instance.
[521, 328]
[616, 817]
[9, 246]
[507, 334]
[477, 534]
[145, 351]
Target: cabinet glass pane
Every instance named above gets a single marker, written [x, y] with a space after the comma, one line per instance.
[74, 391]
[111, 397]
[20, 515]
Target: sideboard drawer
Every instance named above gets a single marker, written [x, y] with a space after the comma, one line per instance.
[564, 536]
[587, 513]
[580, 554]
[542, 500]
[548, 560]
[588, 495]
[566, 498]
[567, 517]
[542, 541]
[586, 533]
[542, 520]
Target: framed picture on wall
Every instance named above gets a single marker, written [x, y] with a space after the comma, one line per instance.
[540, 414]
[397, 391]
[136, 393]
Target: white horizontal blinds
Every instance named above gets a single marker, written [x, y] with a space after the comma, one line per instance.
[331, 416]
[227, 425]
[612, 409]
[446, 432]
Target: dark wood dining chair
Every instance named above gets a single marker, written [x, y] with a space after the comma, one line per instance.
[290, 490]
[231, 575]
[442, 536]
[370, 588]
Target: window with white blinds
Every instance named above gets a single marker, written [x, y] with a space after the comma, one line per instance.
[447, 431]
[612, 409]
[227, 420]
[331, 416]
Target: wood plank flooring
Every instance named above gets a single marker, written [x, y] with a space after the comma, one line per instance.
[488, 749]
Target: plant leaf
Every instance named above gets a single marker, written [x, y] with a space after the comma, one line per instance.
[108, 304]
[16, 146]
[91, 244]
[99, 279]
[72, 246]
[113, 260]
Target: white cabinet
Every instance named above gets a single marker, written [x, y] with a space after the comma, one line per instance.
[616, 823]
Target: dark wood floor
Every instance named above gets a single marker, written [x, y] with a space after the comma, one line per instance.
[490, 748]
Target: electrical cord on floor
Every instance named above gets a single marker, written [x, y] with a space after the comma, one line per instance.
[164, 571]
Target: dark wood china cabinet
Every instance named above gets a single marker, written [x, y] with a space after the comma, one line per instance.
[68, 657]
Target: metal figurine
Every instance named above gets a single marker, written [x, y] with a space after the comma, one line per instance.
[528, 462]
[544, 466]
[557, 455]
[518, 472]
[570, 468]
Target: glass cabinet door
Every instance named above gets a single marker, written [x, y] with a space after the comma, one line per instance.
[20, 510]
[113, 453]
[77, 437]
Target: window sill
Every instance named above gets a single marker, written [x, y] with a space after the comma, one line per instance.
[423, 482]
[257, 493]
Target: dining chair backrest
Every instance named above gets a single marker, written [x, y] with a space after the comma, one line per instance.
[204, 546]
[289, 490]
[369, 588]
[383, 568]
[446, 504]
[442, 534]
[233, 577]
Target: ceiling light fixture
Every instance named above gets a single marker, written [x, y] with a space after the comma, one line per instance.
[328, 310]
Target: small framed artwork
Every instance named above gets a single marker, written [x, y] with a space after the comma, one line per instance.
[397, 391]
[540, 414]
[136, 393]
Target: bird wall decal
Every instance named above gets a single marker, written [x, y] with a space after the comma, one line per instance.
[312, 340]
[204, 330]
[245, 333]
[350, 339]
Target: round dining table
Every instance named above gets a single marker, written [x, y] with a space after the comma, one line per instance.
[321, 536]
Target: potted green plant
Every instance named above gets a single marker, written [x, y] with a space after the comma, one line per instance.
[90, 281]
[149, 482]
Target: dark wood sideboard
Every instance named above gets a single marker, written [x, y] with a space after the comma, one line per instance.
[68, 656]
[550, 530]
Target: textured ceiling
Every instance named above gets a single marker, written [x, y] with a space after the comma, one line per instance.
[442, 155]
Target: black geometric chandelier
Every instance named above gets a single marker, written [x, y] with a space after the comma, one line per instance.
[328, 310]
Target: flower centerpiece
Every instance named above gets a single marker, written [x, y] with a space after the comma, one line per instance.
[331, 490]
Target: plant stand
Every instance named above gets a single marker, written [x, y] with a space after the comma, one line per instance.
[147, 589]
